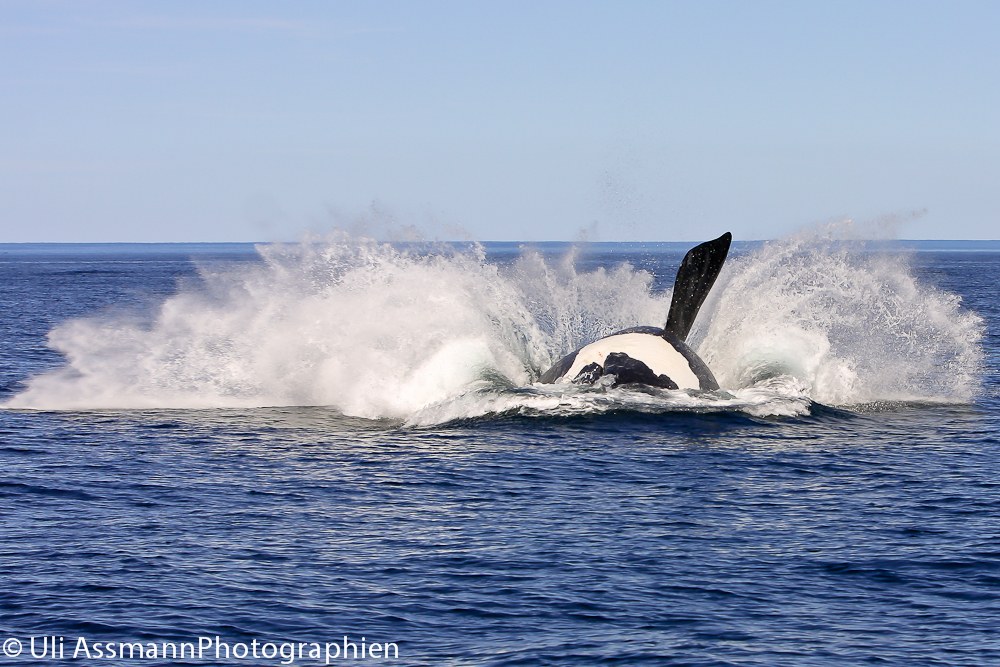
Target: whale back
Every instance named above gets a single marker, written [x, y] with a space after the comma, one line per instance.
[695, 277]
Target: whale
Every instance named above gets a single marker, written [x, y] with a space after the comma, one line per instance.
[646, 355]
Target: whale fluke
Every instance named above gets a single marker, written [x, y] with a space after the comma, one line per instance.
[700, 268]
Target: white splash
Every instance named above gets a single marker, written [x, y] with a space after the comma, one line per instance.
[426, 338]
[853, 326]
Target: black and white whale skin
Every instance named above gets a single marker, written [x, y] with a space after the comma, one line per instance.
[652, 356]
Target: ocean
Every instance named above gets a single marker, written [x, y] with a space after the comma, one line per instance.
[336, 452]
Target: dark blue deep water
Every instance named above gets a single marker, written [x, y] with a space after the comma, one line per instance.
[841, 534]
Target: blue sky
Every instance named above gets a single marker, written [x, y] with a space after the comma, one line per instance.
[637, 121]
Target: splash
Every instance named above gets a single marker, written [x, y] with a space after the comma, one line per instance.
[428, 337]
[852, 326]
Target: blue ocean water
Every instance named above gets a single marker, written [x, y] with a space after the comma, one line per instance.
[294, 445]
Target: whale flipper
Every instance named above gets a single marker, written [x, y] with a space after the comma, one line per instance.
[648, 355]
[699, 269]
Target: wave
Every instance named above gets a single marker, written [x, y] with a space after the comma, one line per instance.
[427, 337]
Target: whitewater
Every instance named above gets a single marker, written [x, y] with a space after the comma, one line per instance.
[429, 334]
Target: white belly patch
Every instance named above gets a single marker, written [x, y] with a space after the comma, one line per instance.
[655, 352]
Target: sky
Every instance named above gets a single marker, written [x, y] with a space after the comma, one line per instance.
[497, 121]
